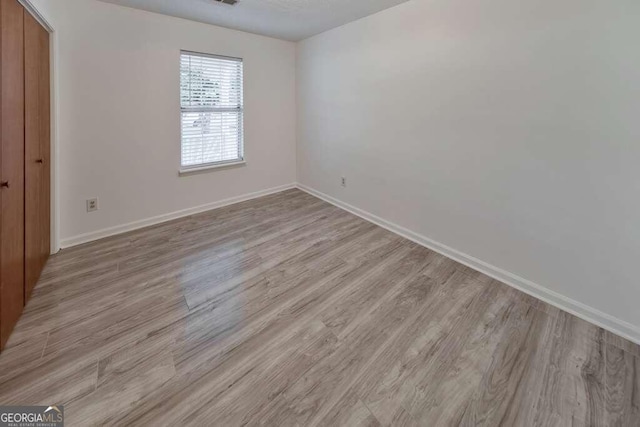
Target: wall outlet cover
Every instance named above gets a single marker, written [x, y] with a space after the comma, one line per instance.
[92, 205]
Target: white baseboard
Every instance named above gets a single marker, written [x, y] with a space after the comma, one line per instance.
[119, 229]
[583, 311]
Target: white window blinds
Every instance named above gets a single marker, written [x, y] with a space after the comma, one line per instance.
[211, 109]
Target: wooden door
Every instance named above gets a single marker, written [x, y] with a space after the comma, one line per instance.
[12, 166]
[37, 158]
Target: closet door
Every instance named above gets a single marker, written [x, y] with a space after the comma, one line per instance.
[12, 166]
[37, 136]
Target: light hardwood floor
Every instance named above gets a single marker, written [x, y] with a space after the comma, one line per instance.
[288, 311]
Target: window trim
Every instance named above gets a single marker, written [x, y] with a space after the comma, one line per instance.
[203, 167]
[211, 166]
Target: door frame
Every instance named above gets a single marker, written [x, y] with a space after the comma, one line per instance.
[55, 206]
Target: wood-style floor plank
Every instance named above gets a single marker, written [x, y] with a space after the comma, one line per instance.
[287, 311]
[622, 395]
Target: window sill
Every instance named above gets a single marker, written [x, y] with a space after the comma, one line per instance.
[191, 171]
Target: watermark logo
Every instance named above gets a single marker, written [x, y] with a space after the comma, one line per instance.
[32, 416]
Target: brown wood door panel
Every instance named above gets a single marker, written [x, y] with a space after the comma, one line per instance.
[45, 147]
[37, 193]
[32, 170]
[12, 170]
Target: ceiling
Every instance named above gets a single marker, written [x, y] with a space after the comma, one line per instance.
[284, 19]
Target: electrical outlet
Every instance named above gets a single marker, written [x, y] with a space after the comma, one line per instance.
[92, 205]
[344, 181]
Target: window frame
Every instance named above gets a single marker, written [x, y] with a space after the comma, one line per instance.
[241, 160]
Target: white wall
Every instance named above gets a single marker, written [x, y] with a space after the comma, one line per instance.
[506, 130]
[119, 114]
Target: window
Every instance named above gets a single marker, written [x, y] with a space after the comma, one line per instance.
[211, 110]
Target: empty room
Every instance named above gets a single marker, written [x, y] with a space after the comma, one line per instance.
[319, 213]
